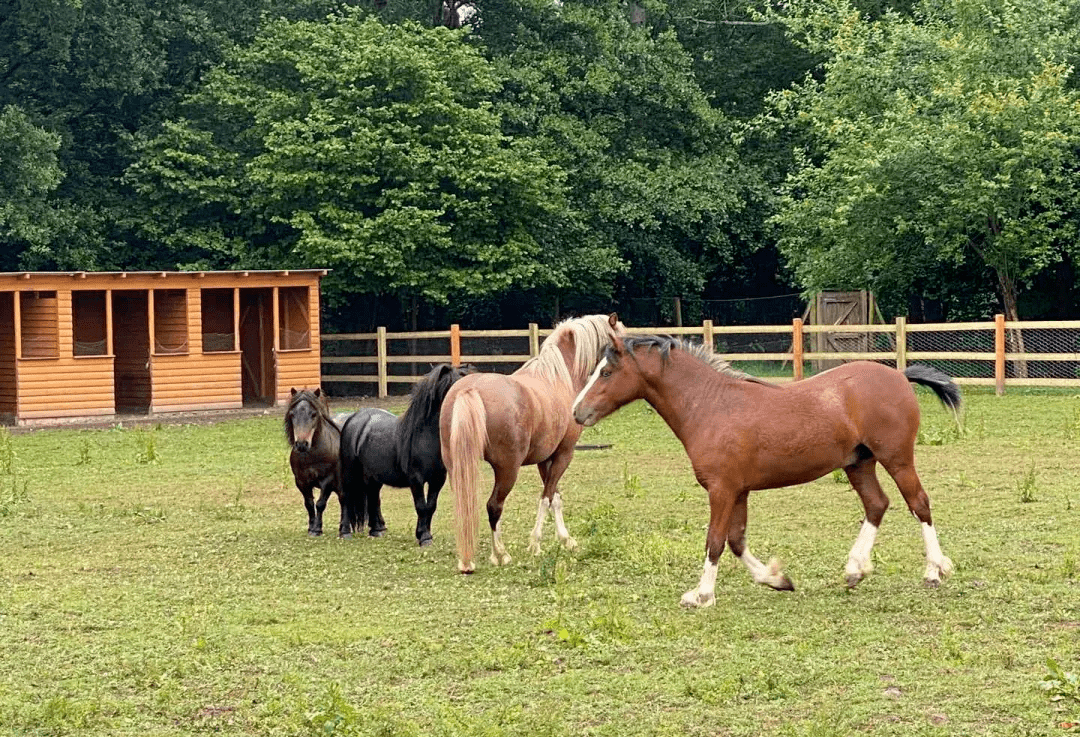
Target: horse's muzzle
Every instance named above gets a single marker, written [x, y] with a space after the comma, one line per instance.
[585, 417]
[301, 446]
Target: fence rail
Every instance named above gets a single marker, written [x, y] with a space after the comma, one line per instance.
[997, 353]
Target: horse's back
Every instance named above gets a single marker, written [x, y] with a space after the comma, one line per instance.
[526, 417]
[875, 398]
[368, 445]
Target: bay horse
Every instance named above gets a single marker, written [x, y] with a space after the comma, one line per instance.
[743, 434]
[378, 448]
[315, 441]
[518, 420]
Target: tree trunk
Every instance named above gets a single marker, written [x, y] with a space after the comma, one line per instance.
[1014, 339]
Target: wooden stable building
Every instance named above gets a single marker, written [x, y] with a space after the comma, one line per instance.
[86, 344]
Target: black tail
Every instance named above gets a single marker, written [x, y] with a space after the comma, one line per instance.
[351, 491]
[942, 384]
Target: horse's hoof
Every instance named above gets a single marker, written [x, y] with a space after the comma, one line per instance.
[534, 547]
[466, 567]
[571, 544]
[500, 560]
[932, 583]
[694, 600]
[425, 541]
[345, 535]
[376, 533]
[783, 584]
[314, 533]
[852, 580]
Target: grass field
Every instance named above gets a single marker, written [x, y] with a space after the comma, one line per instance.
[160, 582]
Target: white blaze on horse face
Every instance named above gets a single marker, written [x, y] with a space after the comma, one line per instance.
[581, 395]
[858, 563]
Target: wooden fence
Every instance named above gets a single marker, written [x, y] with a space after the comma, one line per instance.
[997, 353]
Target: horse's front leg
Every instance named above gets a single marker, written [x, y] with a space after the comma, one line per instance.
[320, 506]
[423, 533]
[721, 503]
[313, 526]
[551, 471]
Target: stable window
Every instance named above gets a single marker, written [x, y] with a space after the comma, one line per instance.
[88, 323]
[170, 321]
[295, 327]
[39, 324]
[218, 321]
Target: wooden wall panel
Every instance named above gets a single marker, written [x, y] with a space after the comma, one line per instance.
[8, 384]
[40, 325]
[297, 369]
[208, 381]
[65, 387]
[171, 321]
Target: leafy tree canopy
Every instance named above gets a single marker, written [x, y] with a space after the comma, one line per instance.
[941, 137]
[367, 147]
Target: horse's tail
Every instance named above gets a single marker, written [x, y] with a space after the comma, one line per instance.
[462, 455]
[941, 383]
[353, 434]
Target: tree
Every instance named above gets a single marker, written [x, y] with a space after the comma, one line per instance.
[654, 173]
[944, 137]
[348, 143]
[29, 172]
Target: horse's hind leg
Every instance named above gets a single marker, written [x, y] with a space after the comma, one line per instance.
[769, 575]
[903, 473]
[376, 524]
[505, 477]
[863, 477]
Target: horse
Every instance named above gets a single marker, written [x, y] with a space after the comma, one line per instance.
[380, 449]
[315, 439]
[743, 434]
[517, 420]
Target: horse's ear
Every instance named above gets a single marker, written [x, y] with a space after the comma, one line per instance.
[293, 390]
[318, 391]
[613, 320]
[617, 345]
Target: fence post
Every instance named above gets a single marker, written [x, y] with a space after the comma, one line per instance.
[534, 339]
[707, 336]
[455, 345]
[797, 348]
[380, 341]
[999, 354]
[901, 343]
[678, 312]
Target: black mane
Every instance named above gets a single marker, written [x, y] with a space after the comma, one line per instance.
[425, 403]
[665, 343]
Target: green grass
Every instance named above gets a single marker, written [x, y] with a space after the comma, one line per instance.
[160, 582]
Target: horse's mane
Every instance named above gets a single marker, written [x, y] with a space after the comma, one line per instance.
[301, 396]
[591, 334]
[665, 343]
[424, 405]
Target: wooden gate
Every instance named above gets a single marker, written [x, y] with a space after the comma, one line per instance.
[840, 308]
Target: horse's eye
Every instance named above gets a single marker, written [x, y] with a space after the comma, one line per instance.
[605, 374]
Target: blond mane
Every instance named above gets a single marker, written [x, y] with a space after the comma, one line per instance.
[591, 335]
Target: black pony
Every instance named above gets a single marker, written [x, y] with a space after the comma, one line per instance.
[379, 448]
[315, 440]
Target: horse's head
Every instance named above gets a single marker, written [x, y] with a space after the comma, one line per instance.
[303, 418]
[616, 380]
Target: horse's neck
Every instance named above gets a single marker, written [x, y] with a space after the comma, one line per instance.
[685, 392]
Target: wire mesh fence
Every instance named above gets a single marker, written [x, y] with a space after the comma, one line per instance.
[994, 353]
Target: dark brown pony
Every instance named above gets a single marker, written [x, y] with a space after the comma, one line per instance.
[519, 420]
[315, 440]
[744, 434]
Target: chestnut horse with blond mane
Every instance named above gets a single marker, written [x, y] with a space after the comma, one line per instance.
[517, 420]
[743, 434]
